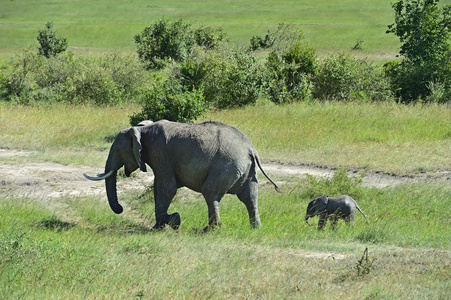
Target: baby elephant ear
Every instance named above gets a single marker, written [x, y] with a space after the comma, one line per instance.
[321, 203]
[136, 138]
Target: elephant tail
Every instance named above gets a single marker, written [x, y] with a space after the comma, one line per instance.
[257, 159]
[358, 208]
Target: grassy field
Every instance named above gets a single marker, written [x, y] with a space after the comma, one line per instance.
[106, 256]
[86, 251]
[95, 27]
[76, 248]
[375, 137]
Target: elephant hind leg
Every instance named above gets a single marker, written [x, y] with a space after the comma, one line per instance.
[214, 219]
[215, 186]
[349, 219]
[249, 196]
[333, 221]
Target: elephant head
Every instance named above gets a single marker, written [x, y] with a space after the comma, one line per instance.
[125, 151]
[316, 207]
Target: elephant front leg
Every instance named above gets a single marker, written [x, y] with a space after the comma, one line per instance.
[322, 221]
[163, 196]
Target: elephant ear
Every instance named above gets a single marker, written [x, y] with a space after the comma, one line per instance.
[136, 138]
[321, 203]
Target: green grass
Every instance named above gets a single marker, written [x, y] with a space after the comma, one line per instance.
[94, 27]
[113, 256]
[388, 137]
[383, 137]
[81, 250]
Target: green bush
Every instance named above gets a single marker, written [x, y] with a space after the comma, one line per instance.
[419, 81]
[162, 41]
[49, 43]
[91, 83]
[165, 40]
[288, 75]
[64, 78]
[167, 99]
[345, 78]
[282, 39]
[127, 74]
[17, 83]
[55, 71]
[229, 78]
[257, 42]
[209, 37]
[340, 184]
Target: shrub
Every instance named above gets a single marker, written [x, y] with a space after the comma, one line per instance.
[54, 71]
[165, 40]
[288, 75]
[17, 83]
[209, 37]
[282, 39]
[50, 44]
[91, 83]
[418, 81]
[127, 74]
[345, 78]
[168, 100]
[340, 184]
[162, 41]
[229, 78]
[64, 78]
[257, 42]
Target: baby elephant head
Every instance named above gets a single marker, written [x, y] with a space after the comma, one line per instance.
[316, 207]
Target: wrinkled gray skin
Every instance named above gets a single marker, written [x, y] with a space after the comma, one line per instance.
[334, 208]
[211, 158]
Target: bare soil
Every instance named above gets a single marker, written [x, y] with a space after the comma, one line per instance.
[51, 183]
[51, 180]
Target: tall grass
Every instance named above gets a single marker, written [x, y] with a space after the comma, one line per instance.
[81, 250]
[113, 256]
[384, 136]
[63, 133]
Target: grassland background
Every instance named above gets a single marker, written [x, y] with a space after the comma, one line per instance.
[84, 251]
[96, 26]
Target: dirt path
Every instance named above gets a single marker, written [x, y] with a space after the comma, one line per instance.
[52, 180]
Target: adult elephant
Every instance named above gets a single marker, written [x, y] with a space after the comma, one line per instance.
[211, 158]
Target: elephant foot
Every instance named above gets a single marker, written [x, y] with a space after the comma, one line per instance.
[211, 227]
[174, 221]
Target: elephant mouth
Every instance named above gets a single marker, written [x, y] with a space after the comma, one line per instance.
[99, 176]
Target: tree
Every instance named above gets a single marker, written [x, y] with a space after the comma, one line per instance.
[424, 29]
[164, 40]
[50, 44]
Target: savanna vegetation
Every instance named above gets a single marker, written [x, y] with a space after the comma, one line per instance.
[321, 91]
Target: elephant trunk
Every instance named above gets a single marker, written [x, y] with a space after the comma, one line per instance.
[111, 192]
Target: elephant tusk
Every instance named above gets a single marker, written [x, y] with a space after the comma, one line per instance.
[99, 176]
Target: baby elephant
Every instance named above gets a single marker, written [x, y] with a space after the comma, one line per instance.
[341, 207]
